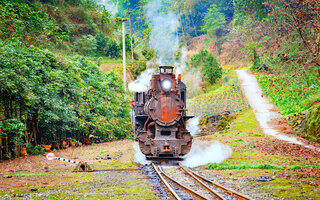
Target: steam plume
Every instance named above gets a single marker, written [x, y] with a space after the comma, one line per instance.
[164, 32]
[192, 126]
[143, 82]
[203, 152]
[139, 157]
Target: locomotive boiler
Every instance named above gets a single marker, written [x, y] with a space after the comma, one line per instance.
[160, 117]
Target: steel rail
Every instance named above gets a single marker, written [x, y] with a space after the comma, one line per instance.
[183, 186]
[231, 192]
[166, 183]
[212, 191]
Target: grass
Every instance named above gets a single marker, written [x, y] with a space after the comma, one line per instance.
[291, 93]
[295, 167]
[224, 165]
[60, 183]
[90, 186]
[313, 166]
[115, 65]
[289, 189]
[25, 174]
[246, 161]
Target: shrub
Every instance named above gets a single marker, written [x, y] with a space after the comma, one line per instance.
[112, 48]
[211, 69]
[198, 59]
[312, 125]
[224, 122]
[106, 46]
[34, 150]
[60, 97]
[101, 43]
[86, 45]
[137, 67]
[208, 64]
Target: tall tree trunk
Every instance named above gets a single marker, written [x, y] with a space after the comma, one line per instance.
[34, 128]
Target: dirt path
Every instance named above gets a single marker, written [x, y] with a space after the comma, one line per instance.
[265, 112]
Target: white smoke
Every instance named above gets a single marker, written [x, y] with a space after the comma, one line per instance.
[164, 37]
[192, 126]
[143, 82]
[181, 65]
[203, 152]
[139, 157]
[193, 81]
[111, 7]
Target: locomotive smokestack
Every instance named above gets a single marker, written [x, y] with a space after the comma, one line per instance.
[166, 69]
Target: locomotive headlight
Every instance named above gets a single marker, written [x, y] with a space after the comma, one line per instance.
[166, 85]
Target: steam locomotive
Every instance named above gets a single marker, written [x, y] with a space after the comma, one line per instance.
[160, 117]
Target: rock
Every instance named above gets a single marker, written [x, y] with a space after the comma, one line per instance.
[250, 179]
[43, 186]
[107, 157]
[34, 189]
[7, 176]
[264, 179]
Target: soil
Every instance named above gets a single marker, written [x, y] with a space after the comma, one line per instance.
[121, 178]
[115, 178]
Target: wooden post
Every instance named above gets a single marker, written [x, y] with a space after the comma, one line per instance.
[253, 36]
[0, 144]
[124, 58]
[130, 33]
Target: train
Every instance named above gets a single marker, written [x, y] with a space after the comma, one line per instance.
[160, 117]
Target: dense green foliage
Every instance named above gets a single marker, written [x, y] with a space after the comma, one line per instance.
[312, 125]
[27, 21]
[291, 93]
[191, 14]
[45, 98]
[208, 65]
[62, 24]
[58, 98]
[213, 20]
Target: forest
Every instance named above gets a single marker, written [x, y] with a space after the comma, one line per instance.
[53, 90]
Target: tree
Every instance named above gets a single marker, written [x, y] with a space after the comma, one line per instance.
[56, 98]
[208, 65]
[213, 20]
[211, 69]
[299, 19]
[112, 48]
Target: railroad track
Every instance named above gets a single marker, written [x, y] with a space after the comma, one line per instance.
[184, 183]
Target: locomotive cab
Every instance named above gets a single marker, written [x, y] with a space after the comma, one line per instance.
[160, 117]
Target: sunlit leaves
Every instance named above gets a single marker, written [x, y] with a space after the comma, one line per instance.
[65, 97]
[213, 20]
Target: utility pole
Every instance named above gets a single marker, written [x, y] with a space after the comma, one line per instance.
[124, 56]
[253, 36]
[130, 33]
